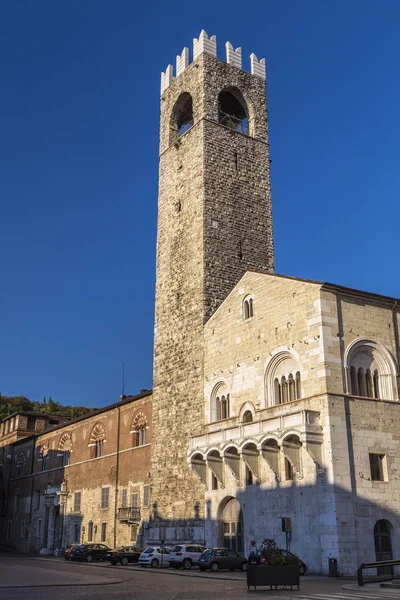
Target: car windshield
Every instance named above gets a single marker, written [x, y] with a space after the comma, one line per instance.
[148, 551]
[177, 549]
[207, 553]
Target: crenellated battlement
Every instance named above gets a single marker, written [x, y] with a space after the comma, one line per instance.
[209, 46]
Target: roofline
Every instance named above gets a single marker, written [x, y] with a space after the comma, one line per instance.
[326, 285]
[96, 411]
[32, 413]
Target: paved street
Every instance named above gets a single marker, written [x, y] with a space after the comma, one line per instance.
[35, 578]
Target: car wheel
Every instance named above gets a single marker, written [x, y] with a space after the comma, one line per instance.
[154, 563]
[187, 563]
[202, 569]
[214, 567]
[89, 558]
[124, 561]
[243, 567]
[302, 569]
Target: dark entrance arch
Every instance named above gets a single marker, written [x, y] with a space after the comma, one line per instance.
[383, 543]
[232, 525]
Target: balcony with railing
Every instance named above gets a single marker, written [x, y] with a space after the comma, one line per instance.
[129, 514]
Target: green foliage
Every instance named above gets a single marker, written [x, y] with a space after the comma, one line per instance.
[13, 404]
[271, 554]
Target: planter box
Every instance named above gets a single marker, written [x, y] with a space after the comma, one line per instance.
[273, 576]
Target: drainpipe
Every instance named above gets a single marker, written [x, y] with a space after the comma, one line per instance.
[116, 478]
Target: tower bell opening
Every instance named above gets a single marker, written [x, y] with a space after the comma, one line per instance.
[182, 116]
[232, 111]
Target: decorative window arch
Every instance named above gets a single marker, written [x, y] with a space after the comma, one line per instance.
[371, 370]
[247, 308]
[220, 402]
[97, 440]
[21, 461]
[283, 379]
[65, 448]
[181, 116]
[139, 428]
[235, 111]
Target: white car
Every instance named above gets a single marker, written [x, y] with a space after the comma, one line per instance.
[185, 555]
[155, 556]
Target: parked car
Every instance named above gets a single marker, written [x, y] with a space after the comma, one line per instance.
[68, 550]
[89, 552]
[291, 559]
[154, 556]
[124, 555]
[185, 555]
[222, 558]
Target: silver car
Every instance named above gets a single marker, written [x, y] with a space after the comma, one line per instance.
[185, 555]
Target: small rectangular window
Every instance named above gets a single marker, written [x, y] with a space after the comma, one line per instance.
[214, 482]
[77, 502]
[39, 528]
[249, 476]
[124, 498]
[103, 532]
[22, 530]
[8, 530]
[37, 493]
[66, 457]
[105, 493]
[135, 500]
[146, 496]
[377, 465]
[134, 532]
[45, 462]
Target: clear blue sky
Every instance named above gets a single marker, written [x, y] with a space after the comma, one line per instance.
[79, 118]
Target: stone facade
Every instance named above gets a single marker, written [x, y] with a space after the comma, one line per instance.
[86, 480]
[214, 224]
[331, 495]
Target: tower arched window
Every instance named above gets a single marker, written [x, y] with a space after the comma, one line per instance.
[371, 370]
[247, 416]
[97, 440]
[181, 117]
[233, 110]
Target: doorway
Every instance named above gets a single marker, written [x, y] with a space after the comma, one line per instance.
[383, 544]
[232, 525]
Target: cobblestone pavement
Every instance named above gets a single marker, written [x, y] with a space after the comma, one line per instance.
[34, 578]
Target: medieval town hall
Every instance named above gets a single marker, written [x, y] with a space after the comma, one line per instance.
[273, 397]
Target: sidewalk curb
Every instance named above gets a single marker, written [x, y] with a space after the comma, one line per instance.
[46, 585]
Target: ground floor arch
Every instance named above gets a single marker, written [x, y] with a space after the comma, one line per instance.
[230, 524]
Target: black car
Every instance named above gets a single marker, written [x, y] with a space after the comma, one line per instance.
[124, 555]
[222, 558]
[89, 552]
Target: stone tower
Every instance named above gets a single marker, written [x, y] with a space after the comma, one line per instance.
[214, 224]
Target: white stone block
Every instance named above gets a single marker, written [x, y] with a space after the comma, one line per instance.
[182, 61]
[204, 44]
[167, 77]
[233, 57]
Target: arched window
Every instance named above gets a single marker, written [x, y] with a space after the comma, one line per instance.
[220, 403]
[291, 448]
[65, 447]
[21, 460]
[371, 370]
[282, 379]
[233, 111]
[97, 440]
[247, 308]
[181, 117]
[247, 417]
[139, 428]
